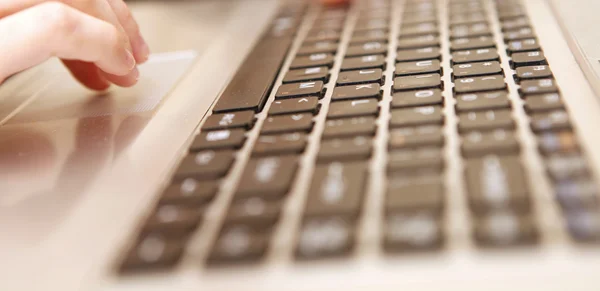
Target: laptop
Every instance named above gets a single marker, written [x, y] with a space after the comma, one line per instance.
[284, 145]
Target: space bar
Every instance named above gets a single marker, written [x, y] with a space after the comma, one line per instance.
[251, 85]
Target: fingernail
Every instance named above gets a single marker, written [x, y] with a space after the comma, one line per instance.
[129, 59]
[135, 73]
[144, 49]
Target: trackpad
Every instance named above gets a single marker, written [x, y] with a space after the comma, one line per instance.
[61, 97]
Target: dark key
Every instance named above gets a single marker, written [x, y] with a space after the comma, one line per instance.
[257, 211]
[496, 182]
[337, 189]
[525, 45]
[322, 237]
[485, 120]
[563, 167]
[318, 47]
[519, 34]
[378, 35]
[557, 142]
[418, 18]
[505, 228]
[584, 225]
[314, 60]
[472, 43]
[545, 102]
[499, 141]
[510, 13]
[308, 74]
[479, 84]
[317, 35]
[173, 220]
[469, 18]
[413, 230]
[360, 77]
[470, 30]
[415, 158]
[482, 101]
[368, 48]
[337, 24]
[152, 252]
[414, 193]
[550, 121]
[371, 24]
[513, 24]
[533, 72]
[238, 243]
[416, 42]
[427, 28]
[419, 67]
[418, 54]
[417, 116]
[418, 6]
[363, 63]
[295, 105]
[419, 82]
[476, 69]
[345, 149]
[364, 126]
[243, 119]
[534, 58]
[372, 90]
[542, 86]
[577, 194]
[311, 88]
[220, 139]
[471, 56]
[351, 108]
[249, 88]
[290, 143]
[205, 165]
[411, 137]
[333, 13]
[189, 192]
[267, 177]
[417, 98]
[288, 123]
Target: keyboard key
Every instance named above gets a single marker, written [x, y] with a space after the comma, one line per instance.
[518, 34]
[314, 60]
[317, 48]
[499, 141]
[557, 142]
[238, 243]
[496, 182]
[311, 88]
[189, 192]
[533, 72]
[413, 193]
[412, 137]
[359, 107]
[410, 231]
[418, 82]
[427, 28]
[378, 35]
[417, 42]
[482, 101]
[369, 48]
[288, 123]
[334, 23]
[205, 165]
[420, 67]
[510, 13]
[417, 116]
[524, 45]
[476, 69]
[295, 105]
[173, 220]
[322, 237]
[417, 98]
[221, 139]
[584, 226]
[418, 18]
[513, 24]
[471, 56]
[371, 24]
[546, 102]
[479, 84]
[372, 90]
[244, 119]
[268, 177]
[542, 86]
[363, 63]
[550, 121]
[485, 120]
[505, 228]
[255, 211]
[472, 43]
[566, 166]
[290, 143]
[415, 158]
[337, 189]
[577, 194]
[467, 18]
[345, 149]
[364, 126]
[317, 35]
[535, 58]
[360, 77]
[470, 30]
[306, 75]
[153, 252]
[418, 54]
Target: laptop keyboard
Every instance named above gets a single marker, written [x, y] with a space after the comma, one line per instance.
[390, 87]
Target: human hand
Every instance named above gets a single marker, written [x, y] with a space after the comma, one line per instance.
[97, 40]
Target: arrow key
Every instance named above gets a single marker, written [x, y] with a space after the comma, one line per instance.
[297, 105]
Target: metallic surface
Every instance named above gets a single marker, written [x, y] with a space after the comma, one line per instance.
[78, 249]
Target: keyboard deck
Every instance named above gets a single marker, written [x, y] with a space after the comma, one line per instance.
[394, 125]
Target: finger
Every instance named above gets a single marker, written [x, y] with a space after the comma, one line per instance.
[141, 50]
[67, 33]
[87, 74]
[123, 81]
[334, 2]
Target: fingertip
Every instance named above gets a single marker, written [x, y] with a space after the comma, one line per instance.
[128, 80]
[334, 2]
